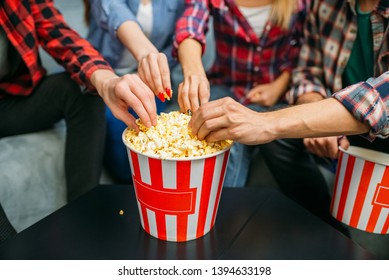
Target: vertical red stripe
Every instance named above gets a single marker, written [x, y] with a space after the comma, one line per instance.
[135, 164]
[137, 176]
[157, 183]
[385, 228]
[219, 188]
[183, 183]
[145, 218]
[376, 211]
[336, 180]
[346, 186]
[209, 167]
[361, 193]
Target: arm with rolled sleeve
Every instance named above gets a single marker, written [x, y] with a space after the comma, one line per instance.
[111, 14]
[192, 24]
[73, 52]
[308, 75]
[369, 103]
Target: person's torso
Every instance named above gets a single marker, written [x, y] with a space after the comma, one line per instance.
[337, 26]
[244, 60]
[18, 26]
[164, 16]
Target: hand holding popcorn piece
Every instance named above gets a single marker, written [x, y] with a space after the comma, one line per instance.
[171, 138]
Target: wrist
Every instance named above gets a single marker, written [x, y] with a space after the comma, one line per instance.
[269, 127]
[284, 125]
[194, 70]
[189, 56]
[100, 76]
[145, 52]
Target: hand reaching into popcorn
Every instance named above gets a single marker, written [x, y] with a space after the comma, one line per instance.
[153, 66]
[171, 138]
[227, 119]
[194, 90]
[122, 93]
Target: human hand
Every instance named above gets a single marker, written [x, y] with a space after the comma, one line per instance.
[154, 71]
[326, 146]
[265, 95]
[309, 97]
[193, 92]
[122, 93]
[227, 119]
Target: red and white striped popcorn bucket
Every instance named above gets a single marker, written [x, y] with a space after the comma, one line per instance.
[361, 192]
[178, 198]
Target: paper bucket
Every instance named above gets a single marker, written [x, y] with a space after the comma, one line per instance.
[361, 192]
[178, 198]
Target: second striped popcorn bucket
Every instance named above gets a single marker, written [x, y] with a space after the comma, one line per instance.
[361, 192]
[178, 198]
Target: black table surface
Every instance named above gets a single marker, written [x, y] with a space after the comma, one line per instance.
[252, 223]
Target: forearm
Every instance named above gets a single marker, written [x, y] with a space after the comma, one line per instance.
[133, 38]
[319, 119]
[189, 55]
[282, 82]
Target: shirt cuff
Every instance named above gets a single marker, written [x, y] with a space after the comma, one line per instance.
[365, 103]
[303, 88]
[116, 20]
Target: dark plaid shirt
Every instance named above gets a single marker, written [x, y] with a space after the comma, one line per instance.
[330, 33]
[30, 23]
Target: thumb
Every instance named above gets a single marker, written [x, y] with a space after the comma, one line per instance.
[343, 142]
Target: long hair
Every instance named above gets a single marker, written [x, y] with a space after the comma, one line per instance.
[282, 12]
[86, 11]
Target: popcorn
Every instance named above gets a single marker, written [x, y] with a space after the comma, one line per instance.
[171, 138]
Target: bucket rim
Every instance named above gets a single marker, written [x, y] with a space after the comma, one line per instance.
[176, 159]
[367, 154]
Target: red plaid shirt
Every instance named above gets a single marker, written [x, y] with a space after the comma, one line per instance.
[30, 23]
[243, 60]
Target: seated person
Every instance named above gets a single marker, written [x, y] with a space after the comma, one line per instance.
[133, 36]
[345, 43]
[32, 101]
[359, 109]
[257, 45]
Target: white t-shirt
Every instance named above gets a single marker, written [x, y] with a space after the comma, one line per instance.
[127, 62]
[257, 17]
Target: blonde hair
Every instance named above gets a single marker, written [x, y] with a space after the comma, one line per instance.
[282, 12]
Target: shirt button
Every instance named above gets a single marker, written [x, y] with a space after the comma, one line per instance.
[259, 49]
[256, 68]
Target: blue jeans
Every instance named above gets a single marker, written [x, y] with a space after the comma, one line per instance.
[240, 154]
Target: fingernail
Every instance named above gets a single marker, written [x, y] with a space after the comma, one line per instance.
[161, 97]
[168, 92]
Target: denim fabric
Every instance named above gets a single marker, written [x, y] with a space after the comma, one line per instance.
[107, 16]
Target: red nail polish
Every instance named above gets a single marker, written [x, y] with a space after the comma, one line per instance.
[168, 92]
[161, 97]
